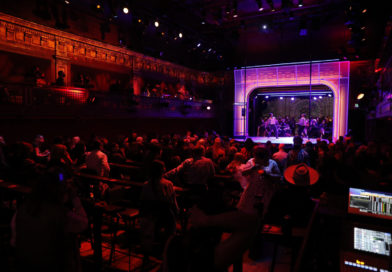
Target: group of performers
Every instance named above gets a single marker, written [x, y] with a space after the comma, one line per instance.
[314, 127]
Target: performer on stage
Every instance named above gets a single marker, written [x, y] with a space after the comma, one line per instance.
[272, 123]
[261, 127]
[302, 124]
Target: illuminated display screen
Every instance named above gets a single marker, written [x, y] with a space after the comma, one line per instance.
[370, 203]
[372, 241]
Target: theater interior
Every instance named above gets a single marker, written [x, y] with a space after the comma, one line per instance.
[195, 135]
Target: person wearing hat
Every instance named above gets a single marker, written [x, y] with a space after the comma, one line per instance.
[301, 175]
[294, 202]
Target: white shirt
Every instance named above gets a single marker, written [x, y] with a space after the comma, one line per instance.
[272, 120]
[98, 161]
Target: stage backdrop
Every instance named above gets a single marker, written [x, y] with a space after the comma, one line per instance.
[333, 74]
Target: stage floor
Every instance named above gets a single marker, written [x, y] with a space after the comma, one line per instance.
[280, 140]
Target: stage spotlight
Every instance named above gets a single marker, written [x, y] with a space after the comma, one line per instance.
[329, 95]
[360, 96]
[156, 24]
[208, 107]
[314, 98]
[98, 6]
[260, 5]
[125, 10]
[267, 96]
[180, 35]
[235, 8]
[292, 99]
[364, 10]
[264, 26]
[67, 2]
[203, 22]
[198, 45]
[320, 97]
[209, 50]
[281, 98]
[300, 3]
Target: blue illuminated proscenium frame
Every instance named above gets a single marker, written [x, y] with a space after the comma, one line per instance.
[331, 73]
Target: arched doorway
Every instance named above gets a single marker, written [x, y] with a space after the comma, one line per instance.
[333, 74]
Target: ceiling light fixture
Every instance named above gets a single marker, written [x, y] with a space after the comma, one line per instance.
[156, 24]
[180, 35]
[360, 96]
[125, 10]
[260, 5]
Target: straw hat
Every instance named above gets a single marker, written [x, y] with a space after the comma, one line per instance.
[301, 175]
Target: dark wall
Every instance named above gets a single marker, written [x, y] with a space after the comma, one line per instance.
[19, 68]
[54, 13]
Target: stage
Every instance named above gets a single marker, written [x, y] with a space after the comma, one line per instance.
[280, 140]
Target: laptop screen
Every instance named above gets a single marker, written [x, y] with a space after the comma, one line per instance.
[372, 241]
[370, 203]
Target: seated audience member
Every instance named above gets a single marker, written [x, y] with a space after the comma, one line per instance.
[136, 149]
[234, 168]
[217, 149]
[115, 154]
[45, 225]
[280, 157]
[59, 153]
[97, 161]
[78, 154]
[159, 207]
[194, 172]
[297, 154]
[262, 174]
[294, 202]
[247, 149]
[40, 154]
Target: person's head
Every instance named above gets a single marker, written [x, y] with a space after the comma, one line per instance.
[303, 115]
[239, 157]
[249, 144]
[281, 147]
[198, 151]
[75, 140]
[157, 169]
[217, 141]
[96, 145]
[261, 155]
[139, 140]
[297, 141]
[271, 115]
[39, 139]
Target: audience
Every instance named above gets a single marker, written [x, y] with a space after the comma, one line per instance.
[192, 162]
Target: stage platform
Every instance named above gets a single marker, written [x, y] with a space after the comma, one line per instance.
[280, 140]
